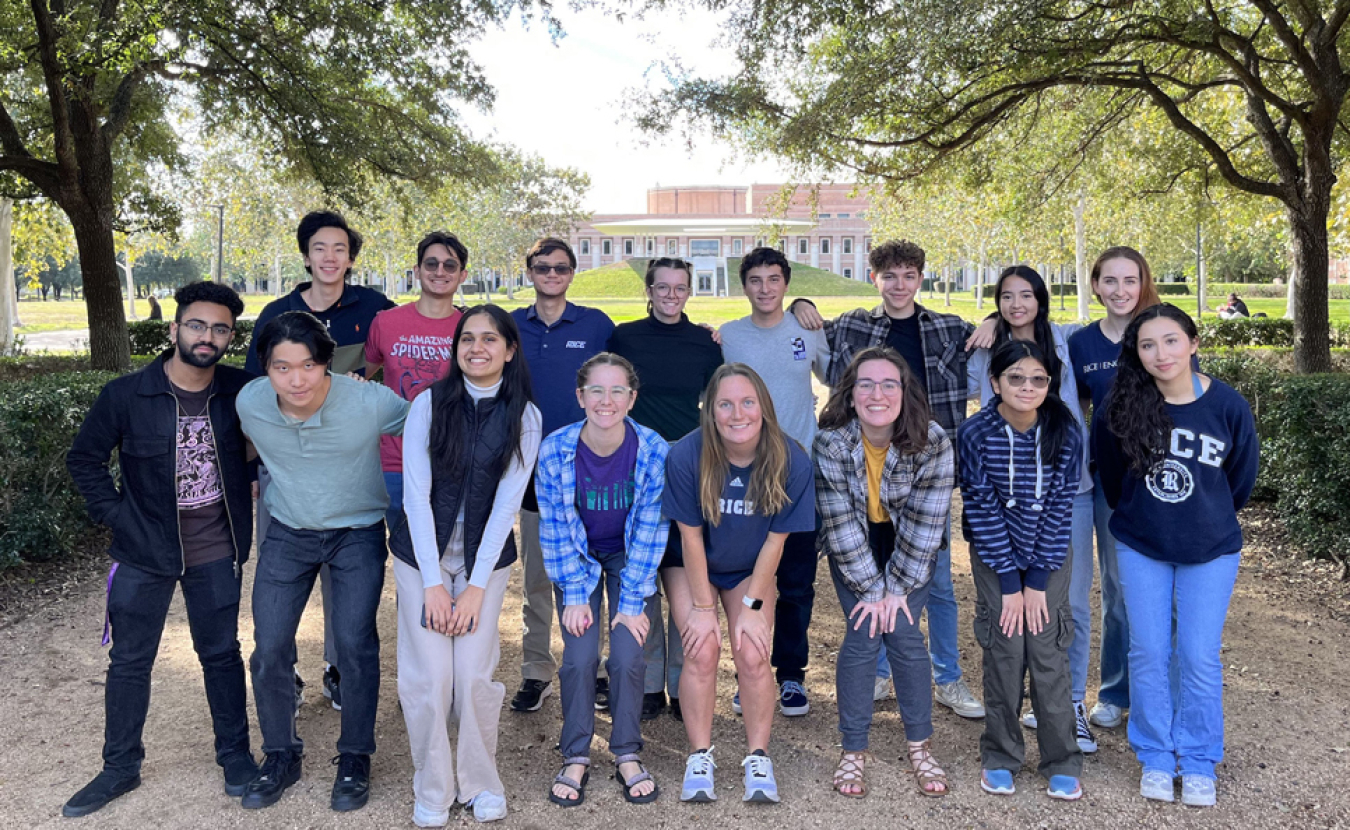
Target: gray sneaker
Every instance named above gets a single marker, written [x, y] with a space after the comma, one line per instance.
[1157, 785]
[1197, 791]
[957, 697]
[760, 784]
[1106, 715]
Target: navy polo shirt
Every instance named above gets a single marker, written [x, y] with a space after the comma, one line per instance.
[555, 353]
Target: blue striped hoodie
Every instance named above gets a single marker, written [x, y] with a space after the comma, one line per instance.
[1017, 504]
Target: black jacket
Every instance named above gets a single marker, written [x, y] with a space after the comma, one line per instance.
[348, 321]
[137, 414]
[487, 432]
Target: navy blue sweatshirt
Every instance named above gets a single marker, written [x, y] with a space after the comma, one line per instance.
[348, 321]
[1185, 511]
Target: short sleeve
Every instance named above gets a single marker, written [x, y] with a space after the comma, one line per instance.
[680, 500]
[801, 490]
[374, 349]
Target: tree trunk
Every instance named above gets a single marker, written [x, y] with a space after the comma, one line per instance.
[1080, 257]
[1312, 334]
[109, 346]
[7, 294]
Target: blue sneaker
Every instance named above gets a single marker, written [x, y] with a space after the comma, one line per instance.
[997, 782]
[736, 702]
[698, 777]
[792, 699]
[760, 785]
[1064, 788]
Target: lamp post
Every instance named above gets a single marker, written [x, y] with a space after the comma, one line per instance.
[220, 240]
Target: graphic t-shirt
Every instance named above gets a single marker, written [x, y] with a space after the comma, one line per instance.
[416, 352]
[202, 521]
[732, 547]
[1094, 358]
[605, 492]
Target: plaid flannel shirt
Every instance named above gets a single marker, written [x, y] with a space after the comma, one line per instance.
[562, 535]
[916, 491]
[944, 354]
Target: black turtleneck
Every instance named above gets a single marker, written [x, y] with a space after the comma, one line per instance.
[674, 362]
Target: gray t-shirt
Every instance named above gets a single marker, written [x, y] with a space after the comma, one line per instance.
[784, 356]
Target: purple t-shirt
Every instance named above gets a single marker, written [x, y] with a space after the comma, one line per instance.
[605, 490]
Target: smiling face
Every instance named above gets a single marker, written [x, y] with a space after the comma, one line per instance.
[550, 283]
[482, 351]
[668, 293]
[737, 415]
[878, 396]
[202, 348]
[1023, 385]
[1017, 304]
[1118, 286]
[1165, 349]
[606, 396]
[440, 272]
[298, 379]
[899, 285]
[765, 287]
[329, 256]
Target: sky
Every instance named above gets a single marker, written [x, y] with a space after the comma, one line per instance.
[599, 72]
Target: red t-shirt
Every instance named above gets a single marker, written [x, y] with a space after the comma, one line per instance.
[415, 351]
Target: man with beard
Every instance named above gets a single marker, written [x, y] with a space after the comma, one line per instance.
[183, 515]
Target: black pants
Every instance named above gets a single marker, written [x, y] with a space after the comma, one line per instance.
[792, 611]
[138, 603]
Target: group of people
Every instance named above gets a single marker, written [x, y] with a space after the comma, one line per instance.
[659, 459]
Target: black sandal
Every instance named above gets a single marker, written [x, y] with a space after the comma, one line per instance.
[629, 784]
[579, 786]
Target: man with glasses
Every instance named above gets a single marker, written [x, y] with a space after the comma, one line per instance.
[182, 516]
[414, 342]
[556, 337]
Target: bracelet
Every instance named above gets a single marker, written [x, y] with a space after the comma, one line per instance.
[712, 608]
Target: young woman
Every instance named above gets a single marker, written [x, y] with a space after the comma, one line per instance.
[1123, 284]
[468, 448]
[599, 484]
[884, 478]
[1024, 314]
[736, 486]
[668, 405]
[1178, 455]
[1021, 458]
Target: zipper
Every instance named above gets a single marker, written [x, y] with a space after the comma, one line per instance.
[224, 491]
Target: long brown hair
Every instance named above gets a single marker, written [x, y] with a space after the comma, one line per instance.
[1148, 292]
[766, 489]
[911, 428]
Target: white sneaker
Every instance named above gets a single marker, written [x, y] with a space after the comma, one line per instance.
[957, 697]
[1087, 742]
[427, 817]
[1157, 785]
[1106, 715]
[760, 785]
[881, 689]
[1029, 719]
[489, 807]
[698, 778]
[1197, 791]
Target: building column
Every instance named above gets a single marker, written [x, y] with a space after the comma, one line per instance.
[814, 247]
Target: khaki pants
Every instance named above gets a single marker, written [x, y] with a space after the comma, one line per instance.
[536, 658]
[440, 677]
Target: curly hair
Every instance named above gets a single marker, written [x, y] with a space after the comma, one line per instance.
[911, 428]
[1136, 412]
[895, 253]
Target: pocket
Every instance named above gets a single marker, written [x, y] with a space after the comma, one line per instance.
[1064, 636]
[984, 625]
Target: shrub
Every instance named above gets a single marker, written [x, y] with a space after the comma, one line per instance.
[150, 337]
[1266, 291]
[1171, 288]
[1247, 331]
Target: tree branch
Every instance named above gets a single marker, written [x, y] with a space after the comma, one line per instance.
[56, 92]
[119, 110]
[45, 175]
[1307, 64]
[10, 139]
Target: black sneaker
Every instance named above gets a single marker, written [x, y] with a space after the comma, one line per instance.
[240, 769]
[331, 686]
[675, 709]
[653, 704]
[351, 788]
[602, 694]
[97, 793]
[279, 771]
[530, 696]
[299, 692]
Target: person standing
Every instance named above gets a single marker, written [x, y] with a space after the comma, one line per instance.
[182, 516]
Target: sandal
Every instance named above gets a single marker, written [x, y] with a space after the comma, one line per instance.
[578, 786]
[926, 770]
[850, 773]
[628, 784]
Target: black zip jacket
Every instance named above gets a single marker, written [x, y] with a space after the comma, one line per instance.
[348, 321]
[137, 414]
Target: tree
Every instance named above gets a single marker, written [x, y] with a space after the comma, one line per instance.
[341, 89]
[889, 88]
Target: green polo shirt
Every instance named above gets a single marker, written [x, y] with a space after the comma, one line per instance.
[325, 471]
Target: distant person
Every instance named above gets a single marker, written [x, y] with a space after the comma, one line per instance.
[156, 313]
[1234, 308]
[183, 516]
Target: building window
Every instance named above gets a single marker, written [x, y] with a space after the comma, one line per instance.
[759, 243]
[705, 247]
[824, 216]
[868, 244]
[803, 246]
[628, 247]
[848, 244]
[607, 247]
[780, 246]
[825, 246]
[841, 216]
[848, 273]
[705, 282]
[585, 247]
[672, 247]
[736, 247]
[651, 247]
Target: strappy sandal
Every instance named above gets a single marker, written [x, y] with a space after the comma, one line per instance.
[926, 770]
[850, 773]
[628, 784]
[578, 786]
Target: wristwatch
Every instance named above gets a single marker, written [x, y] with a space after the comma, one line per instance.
[751, 603]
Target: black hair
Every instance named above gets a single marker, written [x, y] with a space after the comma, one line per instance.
[204, 291]
[296, 327]
[1052, 417]
[1040, 327]
[667, 262]
[761, 257]
[548, 245]
[317, 220]
[450, 442]
[449, 240]
[1135, 410]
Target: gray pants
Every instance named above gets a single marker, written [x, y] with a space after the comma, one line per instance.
[536, 661]
[664, 651]
[330, 650]
[1008, 659]
[856, 669]
[581, 659]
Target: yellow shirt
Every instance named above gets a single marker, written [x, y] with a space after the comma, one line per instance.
[875, 460]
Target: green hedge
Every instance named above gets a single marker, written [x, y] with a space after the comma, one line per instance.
[1268, 291]
[150, 337]
[1259, 331]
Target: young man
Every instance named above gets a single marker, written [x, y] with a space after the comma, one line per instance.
[556, 337]
[329, 247]
[414, 342]
[183, 516]
[934, 345]
[319, 435]
[785, 355]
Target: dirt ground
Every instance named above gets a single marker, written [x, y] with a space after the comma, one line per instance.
[1288, 726]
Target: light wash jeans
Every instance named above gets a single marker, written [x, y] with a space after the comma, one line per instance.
[1080, 592]
[1177, 728]
[1115, 646]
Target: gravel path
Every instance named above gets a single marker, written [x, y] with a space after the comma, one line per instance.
[1287, 651]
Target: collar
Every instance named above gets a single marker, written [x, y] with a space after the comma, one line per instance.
[570, 313]
[349, 297]
[880, 311]
[153, 381]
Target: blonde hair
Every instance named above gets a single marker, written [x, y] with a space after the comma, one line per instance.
[766, 489]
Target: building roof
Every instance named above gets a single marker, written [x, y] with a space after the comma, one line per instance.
[740, 225]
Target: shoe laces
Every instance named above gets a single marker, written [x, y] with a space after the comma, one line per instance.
[701, 763]
[348, 764]
[792, 687]
[271, 766]
[758, 767]
[1080, 717]
[959, 693]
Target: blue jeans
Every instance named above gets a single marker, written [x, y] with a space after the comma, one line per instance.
[393, 484]
[1080, 592]
[1182, 731]
[288, 563]
[1115, 646]
[942, 619]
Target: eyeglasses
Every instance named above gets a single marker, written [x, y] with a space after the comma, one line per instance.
[1017, 380]
[597, 393]
[662, 289]
[887, 387]
[449, 266]
[198, 327]
[539, 269]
